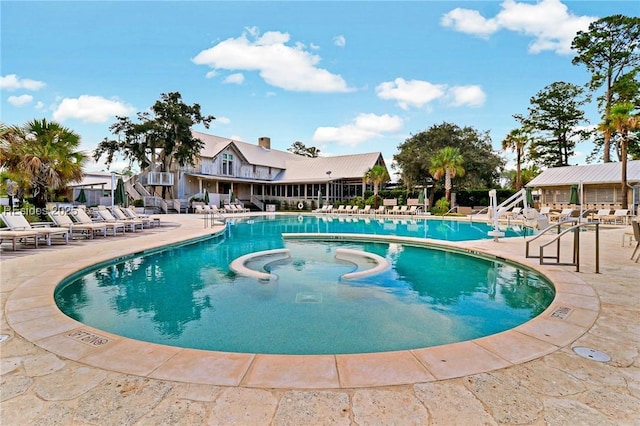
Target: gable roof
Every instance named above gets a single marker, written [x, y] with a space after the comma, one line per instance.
[254, 154]
[295, 168]
[587, 174]
[315, 169]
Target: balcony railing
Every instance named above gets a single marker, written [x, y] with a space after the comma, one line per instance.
[158, 179]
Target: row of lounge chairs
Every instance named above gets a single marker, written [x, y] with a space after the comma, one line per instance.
[72, 223]
[618, 216]
[229, 208]
[342, 209]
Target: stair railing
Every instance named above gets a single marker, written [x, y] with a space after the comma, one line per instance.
[575, 230]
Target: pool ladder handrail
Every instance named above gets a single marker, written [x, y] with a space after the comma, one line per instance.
[576, 244]
[209, 218]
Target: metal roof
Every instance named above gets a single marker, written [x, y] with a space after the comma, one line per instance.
[587, 174]
[254, 154]
[341, 167]
[295, 168]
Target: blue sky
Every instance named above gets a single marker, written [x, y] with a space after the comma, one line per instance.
[345, 77]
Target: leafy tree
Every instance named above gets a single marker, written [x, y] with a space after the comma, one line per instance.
[448, 163]
[555, 117]
[41, 156]
[377, 175]
[301, 149]
[160, 138]
[609, 50]
[624, 121]
[517, 140]
[481, 162]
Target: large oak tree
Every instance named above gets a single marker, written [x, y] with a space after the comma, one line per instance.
[159, 138]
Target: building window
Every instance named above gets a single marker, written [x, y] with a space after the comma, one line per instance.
[227, 164]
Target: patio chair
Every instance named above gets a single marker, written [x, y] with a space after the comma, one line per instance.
[394, 210]
[619, 216]
[413, 210]
[636, 233]
[16, 236]
[545, 211]
[355, 210]
[366, 209]
[404, 210]
[150, 220]
[122, 217]
[564, 215]
[81, 217]
[62, 219]
[106, 216]
[241, 209]
[340, 209]
[380, 210]
[15, 221]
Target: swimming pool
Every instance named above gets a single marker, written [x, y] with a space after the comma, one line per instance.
[187, 296]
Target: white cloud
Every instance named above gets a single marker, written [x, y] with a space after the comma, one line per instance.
[13, 82]
[418, 93]
[280, 65]
[340, 41]
[237, 78]
[211, 74]
[364, 127]
[548, 22]
[91, 109]
[413, 93]
[469, 22]
[39, 105]
[21, 100]
[472, 96]
[222, 120]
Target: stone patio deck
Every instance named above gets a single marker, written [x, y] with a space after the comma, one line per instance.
[526, 376]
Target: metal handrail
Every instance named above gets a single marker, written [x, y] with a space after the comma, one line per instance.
[576, 245]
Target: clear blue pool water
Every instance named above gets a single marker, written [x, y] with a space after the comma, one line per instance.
[187, 296]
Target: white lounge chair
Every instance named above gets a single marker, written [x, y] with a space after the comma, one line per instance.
[564, 215]
[62, 219]
[619, 216]
[122, 217]
[154, 220]
[106, 216]
[81, 216]
[15, 236]
[394, 210]
[15, 221]
[366, 209]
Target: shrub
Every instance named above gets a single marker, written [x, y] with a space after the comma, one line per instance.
[441, 207]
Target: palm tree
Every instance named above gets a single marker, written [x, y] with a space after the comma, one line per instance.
[516, 141]
[43, 156]
[377, 175]
[447, 162]
[621, 118]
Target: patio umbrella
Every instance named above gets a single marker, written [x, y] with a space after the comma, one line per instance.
[232, 197]
[421, 198]
[529, 195]
[82, 197]
[320, 200]
[573, 195]
[120, 196]
[206, 197]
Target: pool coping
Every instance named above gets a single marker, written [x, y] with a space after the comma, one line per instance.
[31, 311]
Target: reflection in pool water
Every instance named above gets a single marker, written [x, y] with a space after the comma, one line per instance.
[187, 296]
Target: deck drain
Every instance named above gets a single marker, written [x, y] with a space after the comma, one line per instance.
[591, 354]
[3, 337]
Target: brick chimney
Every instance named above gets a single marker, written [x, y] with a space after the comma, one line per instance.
[264, 142]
